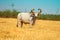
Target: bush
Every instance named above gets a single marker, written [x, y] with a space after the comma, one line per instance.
[8, 13]
[13, 14]
[49, 17]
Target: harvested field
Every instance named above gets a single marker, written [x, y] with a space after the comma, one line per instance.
[42, 30]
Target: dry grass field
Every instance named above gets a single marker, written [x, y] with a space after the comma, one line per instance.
[42, 30]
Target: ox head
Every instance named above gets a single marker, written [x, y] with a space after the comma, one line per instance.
[39, 12]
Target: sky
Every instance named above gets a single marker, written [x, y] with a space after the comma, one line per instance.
[47, 6]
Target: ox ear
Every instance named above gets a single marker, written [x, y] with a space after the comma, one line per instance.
[33, 9]
[39, 10]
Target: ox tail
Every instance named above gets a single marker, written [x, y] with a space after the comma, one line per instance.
[17, 23]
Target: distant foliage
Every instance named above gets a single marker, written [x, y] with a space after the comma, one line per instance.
[8, 14]
[49, 17]
[14, 13]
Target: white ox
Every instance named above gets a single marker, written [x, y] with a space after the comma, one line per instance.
[26, 19]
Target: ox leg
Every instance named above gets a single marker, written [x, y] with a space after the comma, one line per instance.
[17, 23]
[21, 24]
[31, 24]
[31, 21]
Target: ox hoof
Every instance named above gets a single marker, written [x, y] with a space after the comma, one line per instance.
[16, 25]
[21, 26]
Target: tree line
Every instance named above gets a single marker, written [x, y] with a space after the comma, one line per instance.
[14, 13]
[9, 14]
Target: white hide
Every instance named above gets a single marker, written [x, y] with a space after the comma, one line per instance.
[25, 17]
